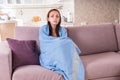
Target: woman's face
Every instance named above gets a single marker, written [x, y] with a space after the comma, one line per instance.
[54, 18]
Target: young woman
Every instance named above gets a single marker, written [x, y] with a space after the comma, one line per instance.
[58, 52]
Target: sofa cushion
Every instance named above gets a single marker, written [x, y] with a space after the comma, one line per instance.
[94, 38]
[23, 52]
[102, 65]
[35, 72]
[117, 29]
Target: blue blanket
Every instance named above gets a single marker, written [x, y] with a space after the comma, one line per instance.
[60, 54]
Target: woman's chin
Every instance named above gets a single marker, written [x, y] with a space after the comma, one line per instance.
[55, 24]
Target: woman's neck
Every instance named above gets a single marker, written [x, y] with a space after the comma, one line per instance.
[53, 26]
[54, 33]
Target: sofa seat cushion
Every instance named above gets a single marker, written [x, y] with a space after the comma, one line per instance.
[35, 72]
[102, 65]
[109, 78]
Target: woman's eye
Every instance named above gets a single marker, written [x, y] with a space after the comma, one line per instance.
[52, 16]
[57, 16]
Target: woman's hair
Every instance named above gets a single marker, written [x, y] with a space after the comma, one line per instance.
[58, 25]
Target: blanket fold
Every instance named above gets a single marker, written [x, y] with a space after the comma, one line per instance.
[60, 54]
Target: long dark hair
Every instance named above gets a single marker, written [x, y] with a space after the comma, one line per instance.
[58, 25]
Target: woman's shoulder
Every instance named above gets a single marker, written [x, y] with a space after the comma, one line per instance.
[44, 27]
[63, 32]
[63, 28]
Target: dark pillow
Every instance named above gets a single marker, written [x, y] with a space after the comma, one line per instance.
[23, 52]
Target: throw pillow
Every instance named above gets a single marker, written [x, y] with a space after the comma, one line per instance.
[23, 52]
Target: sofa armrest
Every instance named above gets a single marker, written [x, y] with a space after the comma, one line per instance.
[5, 61]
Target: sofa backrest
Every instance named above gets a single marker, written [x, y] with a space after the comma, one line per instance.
[27, 33]
[117, 29]
[94, 38]
[90, 39]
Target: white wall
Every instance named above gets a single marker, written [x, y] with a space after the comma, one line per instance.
[26, 14]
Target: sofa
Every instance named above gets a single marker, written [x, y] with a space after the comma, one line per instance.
[100, 53]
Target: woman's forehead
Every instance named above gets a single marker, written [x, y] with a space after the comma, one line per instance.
[54, 12]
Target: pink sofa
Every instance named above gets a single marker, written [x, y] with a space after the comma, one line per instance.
[100, 46]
